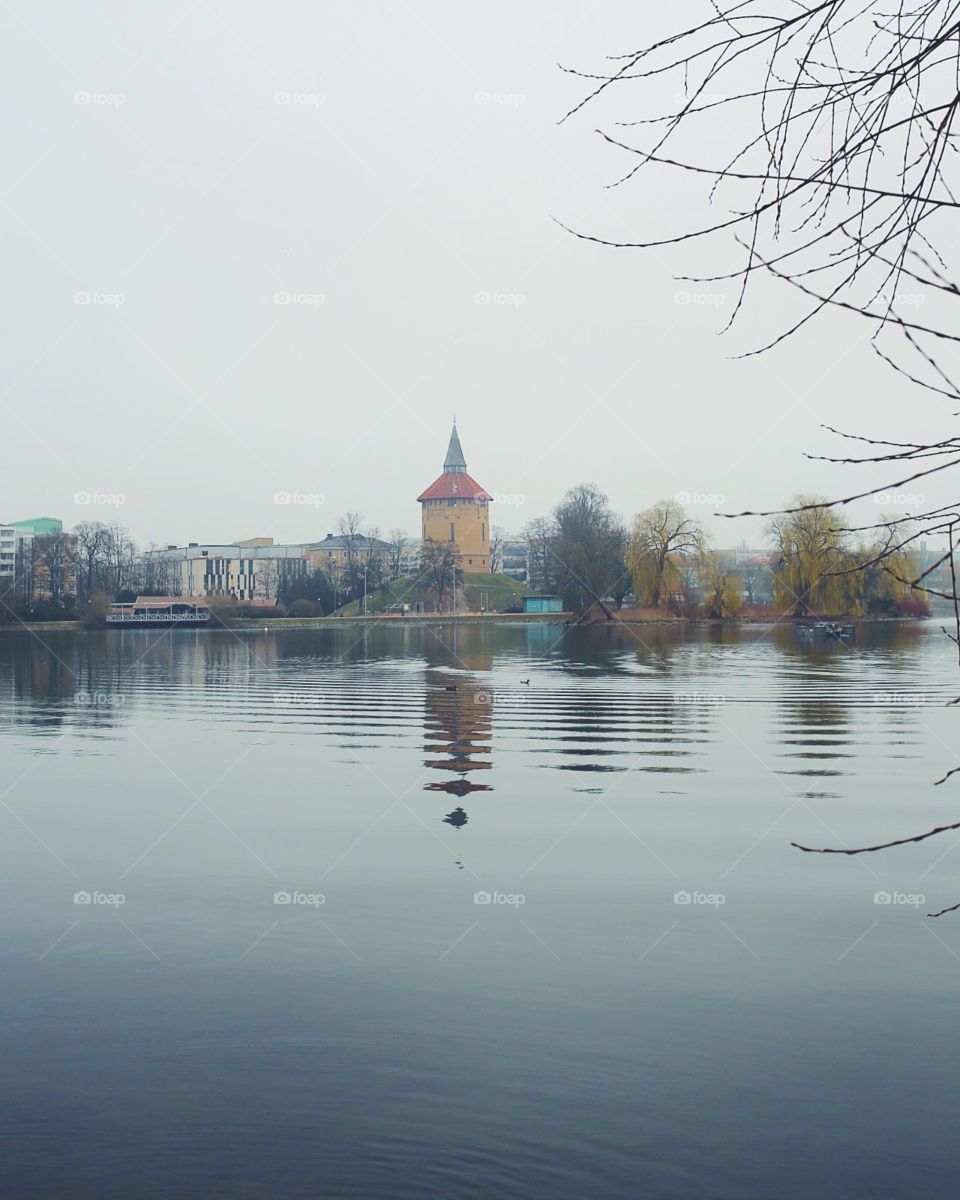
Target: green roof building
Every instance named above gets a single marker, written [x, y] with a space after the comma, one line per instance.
[38, 525]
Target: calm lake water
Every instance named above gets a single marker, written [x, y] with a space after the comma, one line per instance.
[386, 1033]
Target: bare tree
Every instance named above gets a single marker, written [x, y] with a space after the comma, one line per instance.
[267, 579]
[398, 545]
[496, 550]
[755, 578]
[156, 575]
[53, 567]
[93, 541]
[539, 537]
[438, 567]
[350, 529]
[120, 560]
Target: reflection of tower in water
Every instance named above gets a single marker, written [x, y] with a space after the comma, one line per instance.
[457, 727]
[457, 731]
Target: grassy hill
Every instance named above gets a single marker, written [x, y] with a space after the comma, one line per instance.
[493, 592]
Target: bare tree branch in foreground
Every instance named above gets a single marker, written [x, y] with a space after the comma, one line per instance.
[833, 126]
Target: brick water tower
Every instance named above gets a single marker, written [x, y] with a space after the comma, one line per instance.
[456, 509]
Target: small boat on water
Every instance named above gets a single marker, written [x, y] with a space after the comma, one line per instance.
[829, 630]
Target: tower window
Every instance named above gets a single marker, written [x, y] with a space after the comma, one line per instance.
[451, 532]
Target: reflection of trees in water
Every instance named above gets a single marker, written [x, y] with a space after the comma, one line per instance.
[37, 676]
[61, 678]
[800, 715]
[887, 640]
[604, 734]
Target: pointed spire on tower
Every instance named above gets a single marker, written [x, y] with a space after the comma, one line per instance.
[454, 463]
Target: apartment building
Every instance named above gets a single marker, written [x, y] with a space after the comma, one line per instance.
[255, 569]
[8, 555]
[39, 559]
[335, 553]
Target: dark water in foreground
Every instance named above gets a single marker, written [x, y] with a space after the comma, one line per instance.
[584, 1034]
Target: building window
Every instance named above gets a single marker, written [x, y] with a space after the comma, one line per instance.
[451, 532]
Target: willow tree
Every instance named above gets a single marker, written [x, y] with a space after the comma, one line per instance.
[808, 559]
[663, 541]
[878, 578]
[718, 573]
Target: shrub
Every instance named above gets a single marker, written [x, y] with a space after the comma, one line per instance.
[304, 608]
[914, 605]
[94, 611]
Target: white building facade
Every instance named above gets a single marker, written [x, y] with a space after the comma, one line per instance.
[237, 571]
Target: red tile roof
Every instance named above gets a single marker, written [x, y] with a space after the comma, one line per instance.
[455, 485]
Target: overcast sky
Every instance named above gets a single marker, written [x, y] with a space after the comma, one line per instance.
[159, 198]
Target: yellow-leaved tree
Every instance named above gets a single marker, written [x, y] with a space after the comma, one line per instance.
[808, 558]
[880, 571]
[723, 593]
[664, 541]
